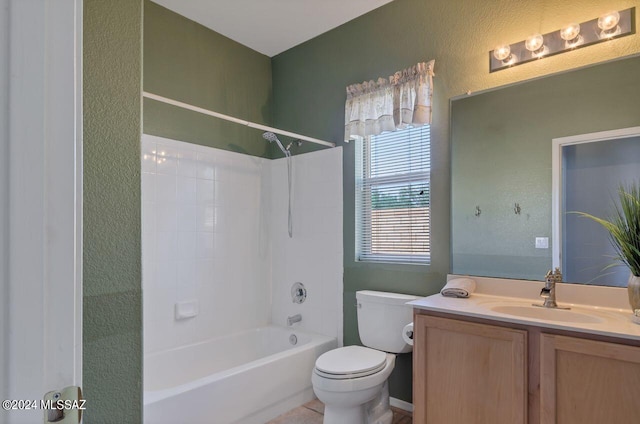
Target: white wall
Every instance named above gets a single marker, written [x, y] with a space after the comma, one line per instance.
[314, 256]
[203, 239]
[40, 196]
[4, 194]
[214, 227]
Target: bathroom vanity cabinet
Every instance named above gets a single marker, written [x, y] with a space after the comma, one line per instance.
[473, 370]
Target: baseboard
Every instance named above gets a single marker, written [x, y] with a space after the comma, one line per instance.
[401, 404]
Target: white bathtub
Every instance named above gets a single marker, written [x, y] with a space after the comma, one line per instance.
[249, 377]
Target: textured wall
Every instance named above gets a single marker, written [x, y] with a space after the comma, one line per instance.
[187, 62]
[112, 303]
[309, 93]
[501, 154]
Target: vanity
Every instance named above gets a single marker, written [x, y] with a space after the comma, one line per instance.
[494, 358]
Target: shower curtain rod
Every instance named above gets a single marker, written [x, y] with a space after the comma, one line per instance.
[236, 120]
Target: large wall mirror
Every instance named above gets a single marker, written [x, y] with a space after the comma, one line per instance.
[501, 167]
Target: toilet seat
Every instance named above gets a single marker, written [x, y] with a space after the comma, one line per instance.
[350, 362]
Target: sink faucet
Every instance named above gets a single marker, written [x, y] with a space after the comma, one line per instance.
[293, 319]
[548, 292]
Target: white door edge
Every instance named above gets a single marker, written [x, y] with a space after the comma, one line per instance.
[43, 341]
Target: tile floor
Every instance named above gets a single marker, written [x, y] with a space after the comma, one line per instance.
[312, 413]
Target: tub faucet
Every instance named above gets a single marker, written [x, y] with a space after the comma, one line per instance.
[293, 319]
[548, 292]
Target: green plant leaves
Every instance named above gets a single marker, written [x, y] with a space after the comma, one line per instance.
[624, 226]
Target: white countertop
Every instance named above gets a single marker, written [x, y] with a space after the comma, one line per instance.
[604, 320]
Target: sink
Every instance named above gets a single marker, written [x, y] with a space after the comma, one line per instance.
[561, 315]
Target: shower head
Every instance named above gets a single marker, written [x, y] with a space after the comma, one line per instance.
[272, 137]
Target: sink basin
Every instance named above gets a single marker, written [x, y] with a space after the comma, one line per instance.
[561, 315]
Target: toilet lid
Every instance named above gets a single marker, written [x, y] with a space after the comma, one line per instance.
[351, 361]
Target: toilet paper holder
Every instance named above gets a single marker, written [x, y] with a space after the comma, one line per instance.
[407, 334]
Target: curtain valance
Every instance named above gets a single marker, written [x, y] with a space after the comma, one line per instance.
[404, 99]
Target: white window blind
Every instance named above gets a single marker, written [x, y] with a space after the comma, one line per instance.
[393, 197]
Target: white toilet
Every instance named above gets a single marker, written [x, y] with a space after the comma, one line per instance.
[352, 381]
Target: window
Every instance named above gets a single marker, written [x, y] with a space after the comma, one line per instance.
[393, 197]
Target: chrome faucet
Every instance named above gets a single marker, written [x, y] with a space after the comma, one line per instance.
[548, 292]
[293, 319]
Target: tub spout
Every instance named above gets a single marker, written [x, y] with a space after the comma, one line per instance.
[293, 319]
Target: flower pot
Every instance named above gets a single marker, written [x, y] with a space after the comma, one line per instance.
[634, 292]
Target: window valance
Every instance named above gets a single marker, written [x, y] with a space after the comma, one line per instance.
[402, 100]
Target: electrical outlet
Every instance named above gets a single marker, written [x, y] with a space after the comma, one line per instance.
[542, 242]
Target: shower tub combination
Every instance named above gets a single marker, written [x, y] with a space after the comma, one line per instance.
[249, 377]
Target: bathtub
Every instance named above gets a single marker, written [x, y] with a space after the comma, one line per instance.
[249, 377]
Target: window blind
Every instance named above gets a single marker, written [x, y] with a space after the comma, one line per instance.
[393, 197]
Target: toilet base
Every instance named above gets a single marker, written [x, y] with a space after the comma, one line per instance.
[375, 411]
[342, 415]
[378, 410]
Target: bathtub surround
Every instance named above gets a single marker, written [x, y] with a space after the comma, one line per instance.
[203, 231]
[214, 226]
[214, 237]
[313, 256]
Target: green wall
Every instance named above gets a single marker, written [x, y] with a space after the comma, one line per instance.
[501, 154]
[112, 301]
[309, 92]
[187, 62]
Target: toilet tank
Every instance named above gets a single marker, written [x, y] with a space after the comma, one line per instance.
[381, 318]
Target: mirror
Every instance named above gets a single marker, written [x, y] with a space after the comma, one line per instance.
[587, 172]
[501, 153]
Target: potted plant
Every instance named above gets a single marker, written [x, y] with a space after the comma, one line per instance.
[624, 233]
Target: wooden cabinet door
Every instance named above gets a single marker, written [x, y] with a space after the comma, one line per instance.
[588, 382]
[468, 373]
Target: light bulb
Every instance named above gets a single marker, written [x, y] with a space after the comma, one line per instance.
[571, 36]
[502, 52]
[608, 21]
[570, 32]
[535, 42]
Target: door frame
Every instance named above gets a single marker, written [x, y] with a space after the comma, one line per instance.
[556, 179]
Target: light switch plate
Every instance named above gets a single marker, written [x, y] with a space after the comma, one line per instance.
[542, 242]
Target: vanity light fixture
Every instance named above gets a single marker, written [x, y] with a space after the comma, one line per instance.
[606, 27]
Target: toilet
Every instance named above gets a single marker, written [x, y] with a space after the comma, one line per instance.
[351, 381]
